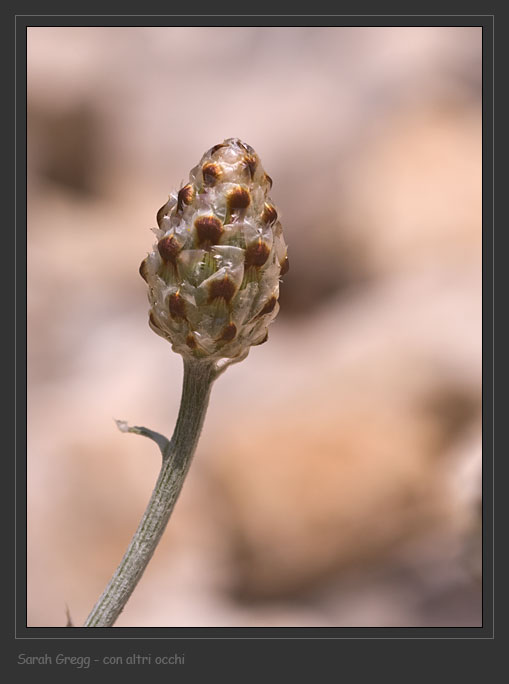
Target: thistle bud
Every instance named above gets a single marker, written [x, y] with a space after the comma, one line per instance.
[214, 272]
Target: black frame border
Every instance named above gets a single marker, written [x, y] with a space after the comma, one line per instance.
[48, 634]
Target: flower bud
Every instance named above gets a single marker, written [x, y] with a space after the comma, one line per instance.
[214, 272]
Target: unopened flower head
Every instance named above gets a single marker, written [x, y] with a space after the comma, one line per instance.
[214, 272]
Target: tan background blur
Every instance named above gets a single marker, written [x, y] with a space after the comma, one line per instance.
[337, 481]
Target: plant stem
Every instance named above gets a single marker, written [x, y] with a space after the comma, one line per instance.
[198, 379]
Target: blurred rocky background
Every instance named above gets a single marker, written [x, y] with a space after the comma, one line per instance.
[338, 478]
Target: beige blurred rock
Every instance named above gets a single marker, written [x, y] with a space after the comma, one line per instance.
[413, 196]
[338, 460]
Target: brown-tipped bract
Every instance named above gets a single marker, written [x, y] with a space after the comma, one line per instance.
[214, 272]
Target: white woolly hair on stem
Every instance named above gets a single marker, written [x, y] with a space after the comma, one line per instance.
[213, 279]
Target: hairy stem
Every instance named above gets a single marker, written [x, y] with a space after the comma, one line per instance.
[198, 379]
